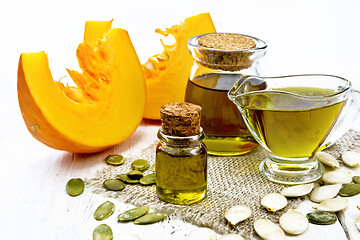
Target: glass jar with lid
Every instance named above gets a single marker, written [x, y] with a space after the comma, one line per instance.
[221, 59]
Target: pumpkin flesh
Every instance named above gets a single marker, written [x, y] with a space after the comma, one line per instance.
[104, 108]
[167, 73]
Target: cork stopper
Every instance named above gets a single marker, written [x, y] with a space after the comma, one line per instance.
[225, 51]
[180, 119]
[226, 41]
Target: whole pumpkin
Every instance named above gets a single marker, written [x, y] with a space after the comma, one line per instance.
[103, 109]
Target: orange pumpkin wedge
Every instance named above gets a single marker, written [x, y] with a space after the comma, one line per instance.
[104, 108]
[96, 29]
[167, 73]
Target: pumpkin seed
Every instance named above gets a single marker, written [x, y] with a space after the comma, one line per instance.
[113, 184]
[325, 192]
[293, 222]
[273, 202]
[297, 190]
[356, 179]
[333, 205]
[357, 223]
[150, 218]
[202, 234]
[350, 190]
[140, 164]
[351, 158]
[268, 230]
[128, 236]
[135, 175]
[124, 178]
[148, 179]
[153, 168]
[102, 232]
[75, 186]
[327, 159]
[115, 159]
[237, 214]
[132, 214]
[231, 237]
[337, 176]
[322, 217]
[104, 211]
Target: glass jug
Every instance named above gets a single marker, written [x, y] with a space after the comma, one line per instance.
[293, 117]
[214, 72]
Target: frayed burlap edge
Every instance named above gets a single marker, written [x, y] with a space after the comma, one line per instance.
[231, 181]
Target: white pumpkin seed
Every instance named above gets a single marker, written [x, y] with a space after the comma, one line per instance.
[325, 192]
[273, 202]
[327, 159]
[202, 234]
[268, 230]
[297, 190]
[357, 223]
[237, 214]
[332, 205]
[337, 176]
[293, 222]
[351, 158]
[128, 236]
[231, 237]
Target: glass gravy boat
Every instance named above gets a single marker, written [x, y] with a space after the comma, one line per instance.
[294, 117]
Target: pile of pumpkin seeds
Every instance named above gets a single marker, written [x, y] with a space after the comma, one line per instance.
[134, 176]
[335, 182]
[140, 215]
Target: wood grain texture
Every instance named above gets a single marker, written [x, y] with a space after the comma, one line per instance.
[303, 36]
[33, 183]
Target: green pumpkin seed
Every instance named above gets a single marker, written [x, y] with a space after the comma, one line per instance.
[349, 190]
[113, 184]
[132, 214]
[322, 217]
[126, 179]
[153, 168]
[75, 186]
[140, 164]
[104, 211]
[148, 179]
[356, 179]
[150, 218]
[102, 232]
[115, 159]
[135, 175]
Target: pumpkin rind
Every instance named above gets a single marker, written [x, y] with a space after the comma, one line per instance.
[103, 110]
[167, 73]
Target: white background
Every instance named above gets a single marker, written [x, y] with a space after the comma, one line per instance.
[306, 36]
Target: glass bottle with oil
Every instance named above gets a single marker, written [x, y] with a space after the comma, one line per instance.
[221, 59]
[181, 156]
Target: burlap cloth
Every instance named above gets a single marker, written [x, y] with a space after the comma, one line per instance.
[231, 181]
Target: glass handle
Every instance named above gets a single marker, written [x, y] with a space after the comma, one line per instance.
[348, 116]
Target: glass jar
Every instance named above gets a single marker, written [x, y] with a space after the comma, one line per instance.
[214, 72]
[181, 168]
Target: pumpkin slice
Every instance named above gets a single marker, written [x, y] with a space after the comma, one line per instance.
[104, 108]
[167, 73]
[96, 29]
